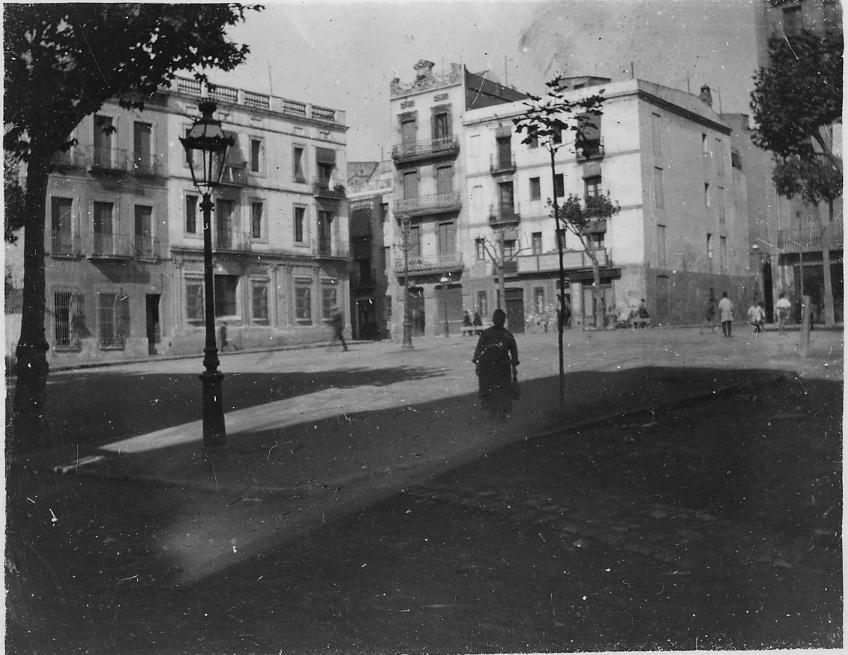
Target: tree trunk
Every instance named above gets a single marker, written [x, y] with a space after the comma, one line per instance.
[596, 283]
[829, 314]
[28, 421]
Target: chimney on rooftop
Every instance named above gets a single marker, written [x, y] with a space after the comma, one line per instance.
[706, 95]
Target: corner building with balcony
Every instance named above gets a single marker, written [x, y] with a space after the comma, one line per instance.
[429, 192]
[124, 238]
[664, 155]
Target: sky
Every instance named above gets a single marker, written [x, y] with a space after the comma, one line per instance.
[344, 54]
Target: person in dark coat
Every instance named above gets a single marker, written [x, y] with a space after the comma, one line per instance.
[496, 357]
[337, 319]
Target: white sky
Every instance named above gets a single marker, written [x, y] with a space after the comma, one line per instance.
[345, 54]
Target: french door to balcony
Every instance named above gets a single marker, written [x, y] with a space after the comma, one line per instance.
[224, 223]
[325, 233]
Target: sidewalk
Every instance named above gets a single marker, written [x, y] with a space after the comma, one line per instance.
[394, 419]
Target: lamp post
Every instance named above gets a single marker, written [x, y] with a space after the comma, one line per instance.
[757, 252]
[445, 279]
[407, 319]
[206, 150]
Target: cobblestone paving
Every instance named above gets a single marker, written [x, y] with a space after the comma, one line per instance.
[683, 538]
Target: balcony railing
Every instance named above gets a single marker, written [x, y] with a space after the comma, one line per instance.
[325, 189]
[810, 238]
[500, 165]
[235, 174]
[145, 165]
[591, 150]
[64, 244]
[108, 159]
[329, 250]
[503, 216]
[230, 241]
[111, 246]
[425, 148]
[430, 204]
[549, 261]
[437, 264]
[146, 247]
[73, 158]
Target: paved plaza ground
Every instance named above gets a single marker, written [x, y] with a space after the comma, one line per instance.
[688, 494]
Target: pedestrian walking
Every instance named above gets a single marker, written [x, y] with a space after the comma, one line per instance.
[466, 319]
[711, 312]
[726, 311]
[225, 341]
[782, 306]
[337, 319]
[496, 359]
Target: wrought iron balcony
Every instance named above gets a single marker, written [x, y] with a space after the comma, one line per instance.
[64, 244]
[322, 188]
[146, 247]
[235, 174]
[500, 165]
[410, 151]
[229, 241]
[145, 166]
[106, 160]
[549, 261]
[590, 150]
[111, 246]
[503, 216]
[437, 203]
[73, 158]
[809, 239]
[326, 249]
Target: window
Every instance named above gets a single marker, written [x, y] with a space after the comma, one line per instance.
[557, 137]
[705, 146]
[719, 158]
[560, 237]
[447, 240]
[559, 185]
[480, 249]
[224, 223]
[533, 143]
[226, 287]
[722, 205]
[325, 233]
[535, 188]
[656, 133]
[113, 320]
[329, 297]
[60, 213]
[194, 299]
[259, 301]
[707, 198]
[299, 165]
[662, 257]
[325, 159]
[539, 299]
[103, 237]
[415, 241]
[592, 186]
[303, 301]
[256, 155]
[410, 185]
[144, 246]
[504, 152]
[257, 210]
[142, 158]
[506, 200]
[536, 243]
[441, 123]
[709, 246]
[408, 128]
[300, 224]
[444, 180]
[588, 138]
[722, 252]
[659, 194]
[66, 309]
[597, 240]
[191, 213]
[509, 249]
[103, 141]
[483, 304]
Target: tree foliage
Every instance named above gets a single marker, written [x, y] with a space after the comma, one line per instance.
[799, 94]
[815, 179]
[580, 215]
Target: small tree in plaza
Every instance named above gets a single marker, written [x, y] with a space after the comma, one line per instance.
[796, 101]
[62, 61]
[544, 122]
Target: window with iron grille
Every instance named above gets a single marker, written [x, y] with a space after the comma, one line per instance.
[66, 319]
[303, 301]
[113, 320]
[194, 300]
[259, 301]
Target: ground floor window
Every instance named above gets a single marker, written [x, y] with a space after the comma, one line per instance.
[113, 319]
[194, 299]
[226, 287]
[483, 304]
[303, 301]
[259, 301]
[329, 297]
[67, 318]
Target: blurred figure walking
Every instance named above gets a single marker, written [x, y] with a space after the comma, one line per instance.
[496, 357]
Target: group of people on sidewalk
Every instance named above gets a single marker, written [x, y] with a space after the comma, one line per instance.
[756, 314]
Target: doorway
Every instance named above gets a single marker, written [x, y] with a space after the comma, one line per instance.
[416, 310]
[515, 309]
[154, 331]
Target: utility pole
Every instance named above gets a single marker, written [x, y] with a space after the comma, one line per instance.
[407, 319]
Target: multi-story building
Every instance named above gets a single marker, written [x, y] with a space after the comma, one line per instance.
[662, 154]
[124, 238]
[791, 235]
[429, 190]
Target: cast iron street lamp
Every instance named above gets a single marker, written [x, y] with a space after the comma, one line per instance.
[445, 279]
[206, 150]
[407, 319]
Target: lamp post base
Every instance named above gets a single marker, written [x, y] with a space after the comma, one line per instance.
[214, 431]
